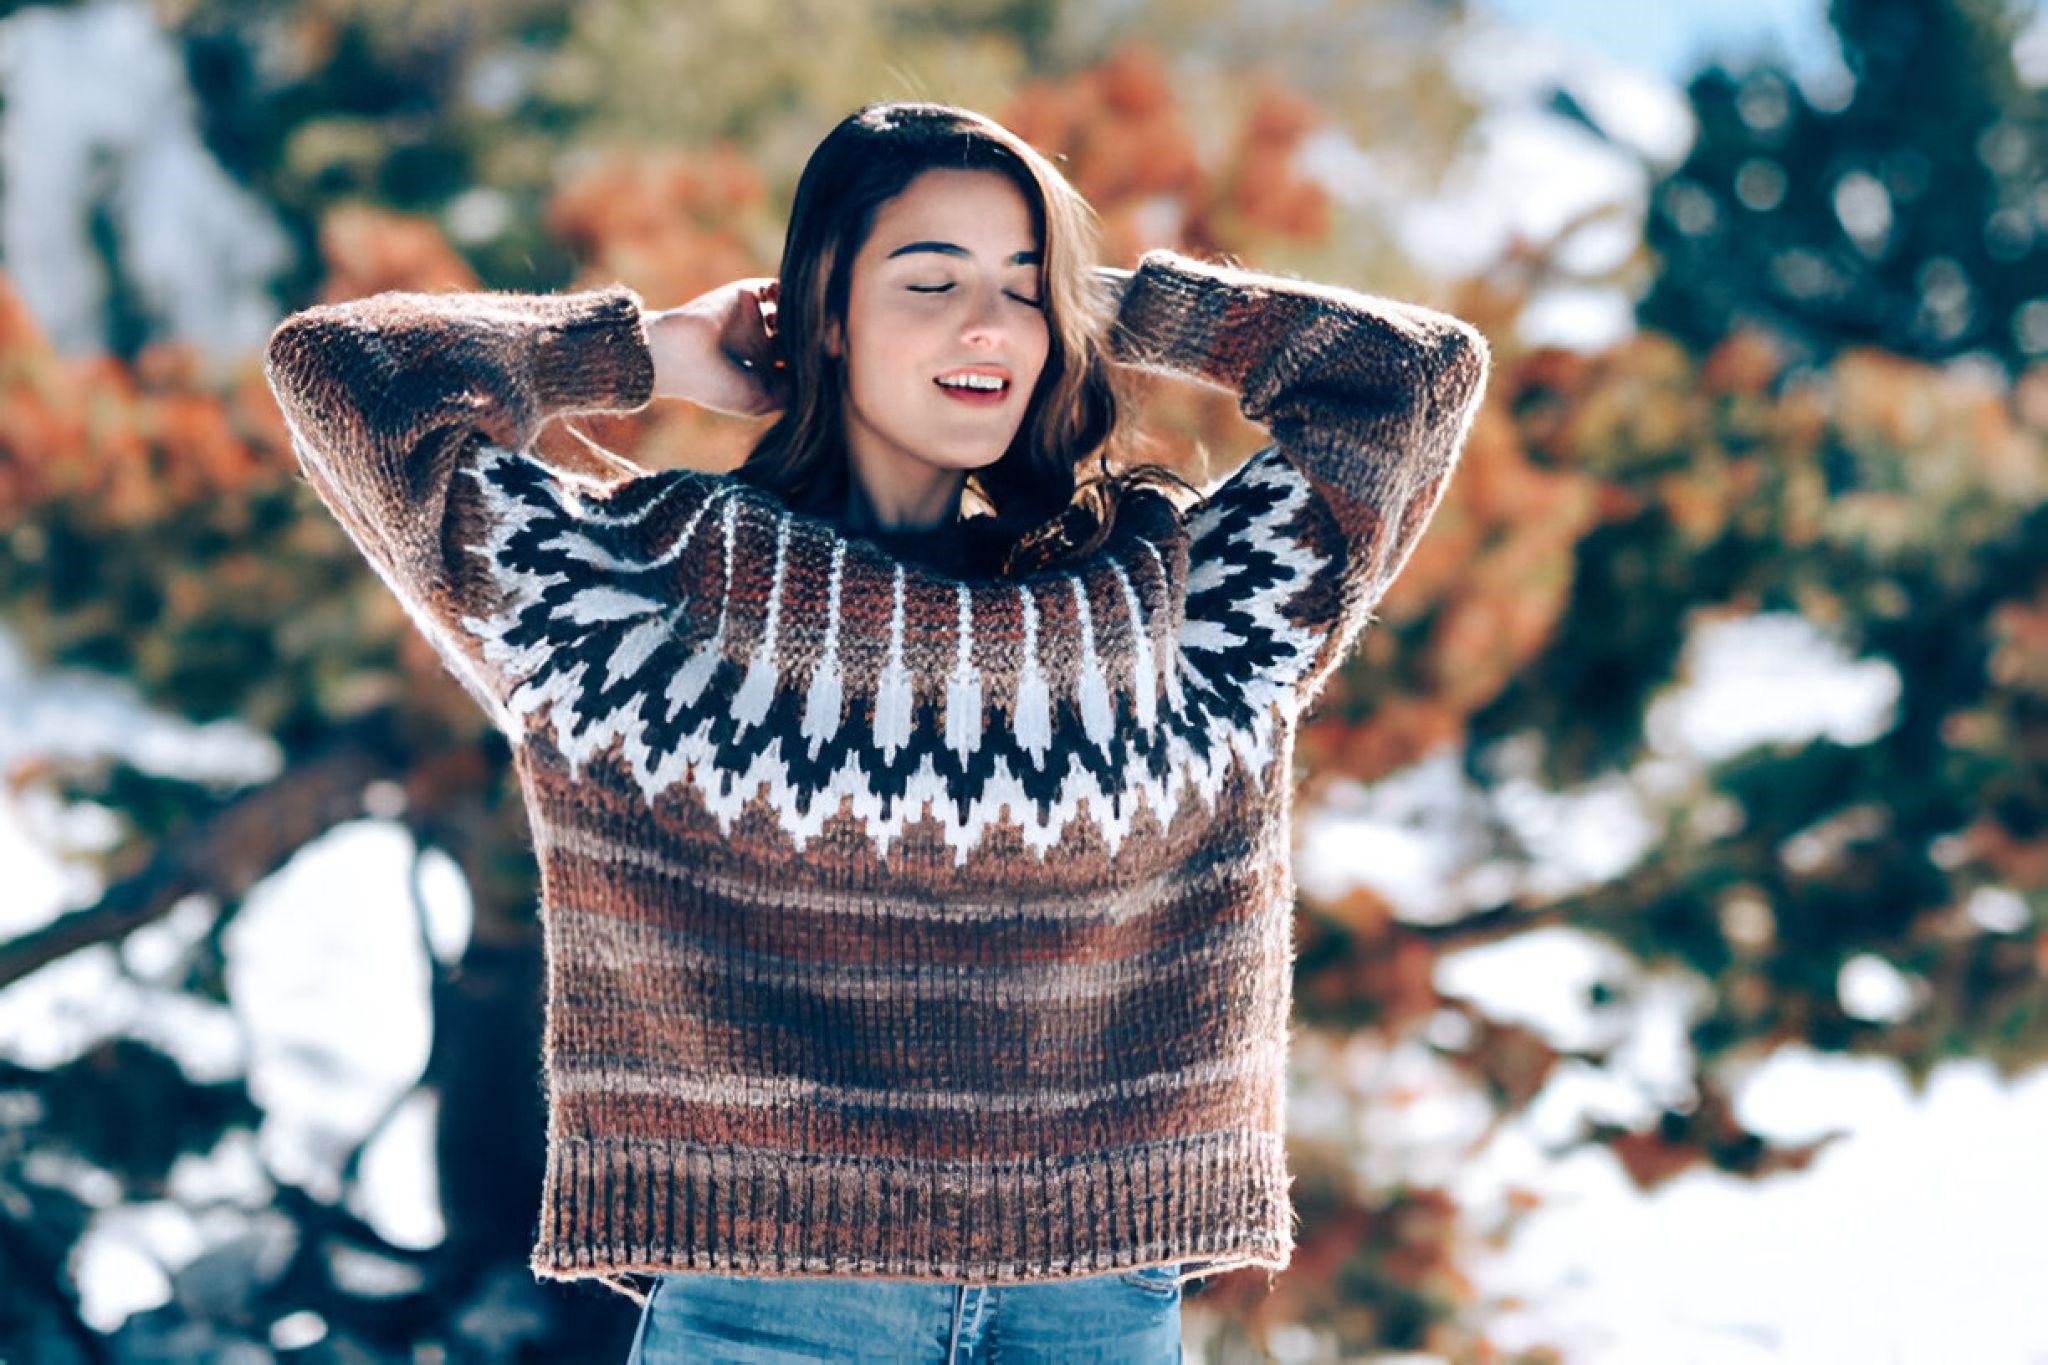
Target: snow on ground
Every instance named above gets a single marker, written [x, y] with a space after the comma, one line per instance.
[97, 119]
[327, 1013]
[1913, 1239]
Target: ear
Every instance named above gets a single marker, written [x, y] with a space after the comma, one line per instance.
[835, 339]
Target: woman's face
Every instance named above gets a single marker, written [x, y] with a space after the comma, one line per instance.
[949, 279]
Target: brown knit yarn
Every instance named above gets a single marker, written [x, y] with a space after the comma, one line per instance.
[897, 924]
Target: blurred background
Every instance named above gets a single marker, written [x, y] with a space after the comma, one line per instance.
[1673, 852]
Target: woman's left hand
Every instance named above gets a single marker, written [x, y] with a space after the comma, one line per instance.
[716, 350]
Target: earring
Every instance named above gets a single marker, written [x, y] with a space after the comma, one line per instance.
[767, 302]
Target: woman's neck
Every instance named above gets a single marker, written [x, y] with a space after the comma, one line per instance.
[931, 508]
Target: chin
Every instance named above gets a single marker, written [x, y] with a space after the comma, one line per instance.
[967, 464]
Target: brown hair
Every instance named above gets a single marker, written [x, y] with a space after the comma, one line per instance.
[1042, 511]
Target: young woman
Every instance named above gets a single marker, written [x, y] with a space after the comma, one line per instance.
[916, 883]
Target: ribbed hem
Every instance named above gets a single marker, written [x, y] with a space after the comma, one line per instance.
[613, 1207]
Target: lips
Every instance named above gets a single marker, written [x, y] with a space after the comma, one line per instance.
[982, 397]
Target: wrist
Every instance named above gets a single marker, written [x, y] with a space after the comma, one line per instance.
[678, 341]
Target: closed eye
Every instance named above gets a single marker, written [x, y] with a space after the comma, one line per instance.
[942, 288]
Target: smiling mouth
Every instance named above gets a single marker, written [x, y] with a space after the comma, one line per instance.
[970, 394]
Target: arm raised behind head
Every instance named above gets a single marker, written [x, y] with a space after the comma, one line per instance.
[1369, 401]
[390, 397]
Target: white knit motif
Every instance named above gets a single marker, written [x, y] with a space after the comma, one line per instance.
[621, 630]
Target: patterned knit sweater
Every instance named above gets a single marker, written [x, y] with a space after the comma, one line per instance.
[896, 925]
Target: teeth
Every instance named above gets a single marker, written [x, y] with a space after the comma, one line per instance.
[974, 381]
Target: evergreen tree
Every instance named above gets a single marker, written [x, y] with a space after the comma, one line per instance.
[1909, 217]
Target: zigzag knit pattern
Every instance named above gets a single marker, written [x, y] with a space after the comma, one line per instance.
[1104, 706]
[897, 924]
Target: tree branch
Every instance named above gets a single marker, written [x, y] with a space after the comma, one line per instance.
[228, 852]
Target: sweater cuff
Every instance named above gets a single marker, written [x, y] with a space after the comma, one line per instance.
[1176, 310]
[593, 354]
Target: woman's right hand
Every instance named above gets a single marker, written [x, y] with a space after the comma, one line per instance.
[716, 350]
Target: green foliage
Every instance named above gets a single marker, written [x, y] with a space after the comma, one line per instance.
[1908, 217]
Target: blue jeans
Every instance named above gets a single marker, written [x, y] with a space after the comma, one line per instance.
[1127, 1317]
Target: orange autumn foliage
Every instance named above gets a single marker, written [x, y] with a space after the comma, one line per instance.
[1391, 968]
[1493, 578]
[368, 250]
[1746, 361]
[122, 445]
[1267, 193]
[671, 224]
[1119, 135]
[1512, 1061]
[1401, 730]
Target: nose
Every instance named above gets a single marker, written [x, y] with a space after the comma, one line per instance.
[985, 324]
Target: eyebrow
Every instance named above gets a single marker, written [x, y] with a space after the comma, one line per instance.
[951, 249]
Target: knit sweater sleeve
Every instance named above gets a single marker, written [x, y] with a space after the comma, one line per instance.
[1368, 400]
[391, 398]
